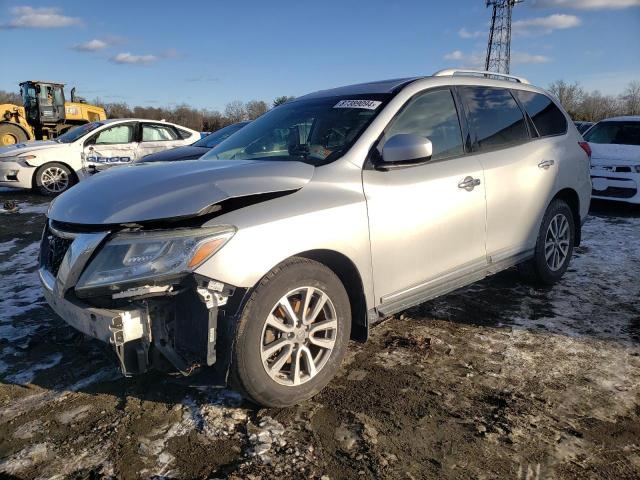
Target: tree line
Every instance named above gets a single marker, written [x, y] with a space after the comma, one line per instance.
[594, 106]
[202, 120]
[580, 104]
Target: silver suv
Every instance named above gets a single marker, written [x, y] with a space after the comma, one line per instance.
[265, 257]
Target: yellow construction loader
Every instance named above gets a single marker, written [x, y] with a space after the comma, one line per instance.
[44, 113]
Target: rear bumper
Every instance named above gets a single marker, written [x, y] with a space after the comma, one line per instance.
[16, 175]
[618, 186]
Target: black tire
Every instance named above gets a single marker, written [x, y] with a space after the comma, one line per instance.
[43, 183]
[248, 374]
[11, 134]
[538, 269]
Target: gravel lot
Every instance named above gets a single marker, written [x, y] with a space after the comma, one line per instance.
[500, 380]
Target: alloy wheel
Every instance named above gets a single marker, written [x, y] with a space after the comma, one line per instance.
[556, 244]
[54, 179]
[298, 336]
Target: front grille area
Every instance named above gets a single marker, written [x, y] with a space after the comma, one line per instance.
[52, 251]
[617, 192]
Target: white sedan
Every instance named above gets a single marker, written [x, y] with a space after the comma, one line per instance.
[52, 166]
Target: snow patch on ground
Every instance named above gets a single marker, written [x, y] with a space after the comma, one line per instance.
[19, 296]
[26, 458]
[26, 376]
[23, 207]
[583, 300]
[7, 246]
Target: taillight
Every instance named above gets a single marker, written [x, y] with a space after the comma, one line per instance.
[586, 147]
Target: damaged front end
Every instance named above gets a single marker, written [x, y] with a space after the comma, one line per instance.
[136, 290]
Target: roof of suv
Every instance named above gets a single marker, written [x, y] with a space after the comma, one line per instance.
[392, 85]
[381, 86]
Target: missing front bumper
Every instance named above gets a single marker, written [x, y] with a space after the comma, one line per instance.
[182, 326]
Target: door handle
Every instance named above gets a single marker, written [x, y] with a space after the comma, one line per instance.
[546, 164]
[469, 183]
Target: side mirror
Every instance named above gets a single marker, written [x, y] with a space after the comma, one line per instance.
[407, 148]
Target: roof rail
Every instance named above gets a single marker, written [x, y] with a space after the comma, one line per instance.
[450, 72]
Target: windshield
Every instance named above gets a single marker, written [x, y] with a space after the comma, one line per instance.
[315, 131]
[215, 138]
[73, 135]
[620, 133]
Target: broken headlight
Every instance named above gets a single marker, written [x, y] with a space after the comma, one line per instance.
[152, 255]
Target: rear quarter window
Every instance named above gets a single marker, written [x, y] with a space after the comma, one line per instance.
[546, 116]
[183, 134]
[495, 119]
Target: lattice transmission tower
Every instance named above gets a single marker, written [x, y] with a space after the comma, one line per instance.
[499, 47]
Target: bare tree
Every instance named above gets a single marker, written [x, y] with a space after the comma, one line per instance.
[280, 100]
[213, 120]
[255, 108]
[117, 110]
[235, 111]
[187, 116]
[631, 99]
[595, 106]
[570, 95]
[10, 97]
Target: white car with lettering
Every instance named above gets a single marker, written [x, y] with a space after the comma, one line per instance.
[53, 166]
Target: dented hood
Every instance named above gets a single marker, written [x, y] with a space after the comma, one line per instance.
[157, 191]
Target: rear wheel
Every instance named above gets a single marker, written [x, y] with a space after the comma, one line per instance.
[53, 178]
[292, 335]
[11, 134]
[554, 246]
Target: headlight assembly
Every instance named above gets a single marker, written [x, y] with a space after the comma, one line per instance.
[152, 255]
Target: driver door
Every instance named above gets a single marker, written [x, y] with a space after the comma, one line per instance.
[427, 228]
[111, 147]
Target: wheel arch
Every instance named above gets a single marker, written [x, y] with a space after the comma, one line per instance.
[570, 196]
[34, 183]
[350, 277]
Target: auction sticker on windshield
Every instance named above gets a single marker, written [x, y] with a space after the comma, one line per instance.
[368, 104]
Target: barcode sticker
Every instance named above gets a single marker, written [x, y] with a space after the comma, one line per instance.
[367, 104]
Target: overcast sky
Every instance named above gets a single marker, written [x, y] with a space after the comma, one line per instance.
[207, 53]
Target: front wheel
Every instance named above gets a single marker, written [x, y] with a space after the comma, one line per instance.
[554, 246]
[53, 178]
[292, 335]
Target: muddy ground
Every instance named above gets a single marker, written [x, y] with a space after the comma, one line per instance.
[500, 380]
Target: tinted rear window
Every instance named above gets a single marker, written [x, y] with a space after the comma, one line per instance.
[546, 116]
[494, 117]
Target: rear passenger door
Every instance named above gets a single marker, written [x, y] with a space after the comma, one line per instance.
[520, 172]
[427, 229]
[112, 146]
[156, 137]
